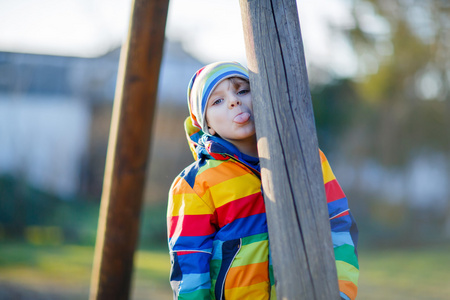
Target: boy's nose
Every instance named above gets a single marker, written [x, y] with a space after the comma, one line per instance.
[234, 101]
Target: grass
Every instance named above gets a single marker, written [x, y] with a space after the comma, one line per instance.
[413, 273]
[63, 272]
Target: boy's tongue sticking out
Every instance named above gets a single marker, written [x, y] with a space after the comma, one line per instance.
[242, 118]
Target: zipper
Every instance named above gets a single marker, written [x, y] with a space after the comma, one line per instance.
[229, 267]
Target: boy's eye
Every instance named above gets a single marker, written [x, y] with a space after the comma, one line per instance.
[217, 101]
[243, 91]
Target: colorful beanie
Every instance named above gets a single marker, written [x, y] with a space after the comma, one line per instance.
[203, 83]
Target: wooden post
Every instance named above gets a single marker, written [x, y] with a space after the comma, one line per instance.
[128, 151]
[298, 221]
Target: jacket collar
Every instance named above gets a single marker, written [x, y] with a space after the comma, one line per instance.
[212, 147]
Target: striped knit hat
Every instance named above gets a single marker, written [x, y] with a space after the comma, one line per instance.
[203, 83]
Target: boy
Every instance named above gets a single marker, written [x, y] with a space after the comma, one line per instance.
[217, 227]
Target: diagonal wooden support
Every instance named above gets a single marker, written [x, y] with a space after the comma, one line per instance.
[297, 213]
[128, 151]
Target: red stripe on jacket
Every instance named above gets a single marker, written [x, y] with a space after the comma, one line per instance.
[192, 225]
[240, 208]
[333, 191]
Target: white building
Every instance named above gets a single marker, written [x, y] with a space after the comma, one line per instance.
[49, 106]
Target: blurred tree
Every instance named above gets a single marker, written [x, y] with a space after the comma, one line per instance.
[403, 53]
[392, 116]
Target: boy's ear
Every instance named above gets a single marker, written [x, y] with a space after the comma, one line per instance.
[211, 131]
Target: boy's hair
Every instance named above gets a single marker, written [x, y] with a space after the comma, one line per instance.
[203, 83]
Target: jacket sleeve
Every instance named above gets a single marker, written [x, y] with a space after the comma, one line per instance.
[344, 233]
[191, 231]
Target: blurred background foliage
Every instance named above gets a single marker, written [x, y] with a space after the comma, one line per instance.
[390, 123]
[385, 131]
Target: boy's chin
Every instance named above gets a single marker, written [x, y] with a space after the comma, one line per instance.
[245, 137]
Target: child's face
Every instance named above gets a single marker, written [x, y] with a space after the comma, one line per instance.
[229, 111]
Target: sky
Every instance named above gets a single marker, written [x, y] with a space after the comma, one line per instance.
[210, 30]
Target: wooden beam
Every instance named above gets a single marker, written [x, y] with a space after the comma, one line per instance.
[298, 221]
[128, 151]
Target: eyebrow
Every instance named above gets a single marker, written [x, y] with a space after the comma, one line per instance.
[238, 82]
[214, 93]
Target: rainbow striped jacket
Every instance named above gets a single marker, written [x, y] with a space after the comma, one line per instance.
[217, 229]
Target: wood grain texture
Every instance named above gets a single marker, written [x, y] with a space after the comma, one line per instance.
[128, 151]
[297, 213]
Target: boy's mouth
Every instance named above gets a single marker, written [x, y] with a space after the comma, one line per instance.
[242, 118]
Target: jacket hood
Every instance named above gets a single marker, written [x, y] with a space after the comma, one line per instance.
[202, 84]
